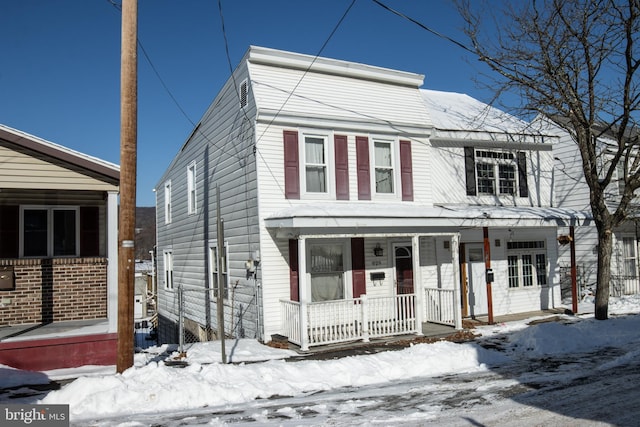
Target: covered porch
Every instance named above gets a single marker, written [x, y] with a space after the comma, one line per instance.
[398, 268]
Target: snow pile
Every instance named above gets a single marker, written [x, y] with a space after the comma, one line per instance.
[156, 387]
[153, 386]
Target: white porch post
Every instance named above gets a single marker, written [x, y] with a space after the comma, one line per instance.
[303, 293]
[112, 257]
[417, 282]
[455, 263]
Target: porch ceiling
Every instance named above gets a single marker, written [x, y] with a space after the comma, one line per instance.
[390, 218]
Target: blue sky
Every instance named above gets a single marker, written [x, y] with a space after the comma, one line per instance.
[60, 73]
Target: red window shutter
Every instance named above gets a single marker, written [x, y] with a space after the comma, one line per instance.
[291, 168]
[342, 167]
[406, 170]
[357, 267]
[363, 170]
[89, 231]
[294, 282]
[9, 229]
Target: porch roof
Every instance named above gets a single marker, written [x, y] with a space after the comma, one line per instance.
[368, 217]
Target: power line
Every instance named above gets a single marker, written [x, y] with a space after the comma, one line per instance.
[424, 27]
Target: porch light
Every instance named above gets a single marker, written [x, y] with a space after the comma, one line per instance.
[378, 251]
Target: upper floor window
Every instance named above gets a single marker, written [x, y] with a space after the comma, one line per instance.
[495, 173]
[49, 231]
[384, 174]
[191, 188]
[315, 163]
[318, 166]
[167, 202]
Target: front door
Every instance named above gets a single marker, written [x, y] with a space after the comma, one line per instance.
[476, 281]
[403, 261]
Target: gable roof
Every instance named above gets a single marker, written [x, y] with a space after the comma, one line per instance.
[106, 170]
[457, 116]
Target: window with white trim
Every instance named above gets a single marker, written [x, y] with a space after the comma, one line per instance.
[214, 270]
[527, 264]
[49, 231]
[383, 167]
[168, 268]
[326, 271]
[191, 188]
[316, 163]
[167, 202]
[492, 164]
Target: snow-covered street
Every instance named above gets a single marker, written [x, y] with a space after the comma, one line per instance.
[561, 370]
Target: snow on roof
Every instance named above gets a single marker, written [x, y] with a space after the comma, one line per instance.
[455, 113]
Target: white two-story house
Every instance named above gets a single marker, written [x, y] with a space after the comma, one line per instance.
[571, 191]
[355, 205]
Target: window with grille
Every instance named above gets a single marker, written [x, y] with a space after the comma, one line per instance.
[496, 172]
[527, 264]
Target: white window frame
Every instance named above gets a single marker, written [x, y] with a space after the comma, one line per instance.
[167, 263]
[192, 199]
[532, 252]
[329, 165]
[213, 269]
[395, 167]
[346, 264]
[495, 160]
[167, 202]
[50, 229]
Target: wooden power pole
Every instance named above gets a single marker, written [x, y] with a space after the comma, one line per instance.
[128, 158]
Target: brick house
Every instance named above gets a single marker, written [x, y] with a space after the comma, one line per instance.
[58, 255]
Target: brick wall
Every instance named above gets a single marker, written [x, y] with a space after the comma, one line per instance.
[54, 290]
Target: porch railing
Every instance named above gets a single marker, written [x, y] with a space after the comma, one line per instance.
[361, 318]
[624, 285]
[440, 306]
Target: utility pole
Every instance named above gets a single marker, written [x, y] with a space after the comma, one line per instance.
[128, 157]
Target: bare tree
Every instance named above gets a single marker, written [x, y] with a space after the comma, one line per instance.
[574, 62]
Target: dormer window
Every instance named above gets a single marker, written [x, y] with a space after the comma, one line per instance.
[496, 173]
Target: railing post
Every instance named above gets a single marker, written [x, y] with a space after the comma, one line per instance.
[455, 262]
[304, 294]
[417, 284]
[364, 315]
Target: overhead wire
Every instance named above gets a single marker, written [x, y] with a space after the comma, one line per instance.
[424, 27]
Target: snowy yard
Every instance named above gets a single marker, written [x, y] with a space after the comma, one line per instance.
[514, 374]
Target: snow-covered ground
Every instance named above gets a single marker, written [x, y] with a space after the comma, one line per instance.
[153, 387]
